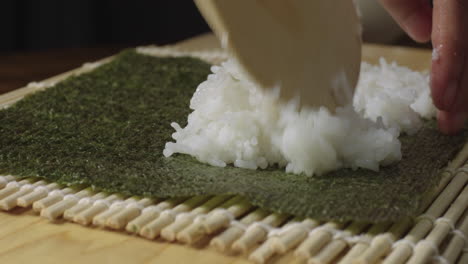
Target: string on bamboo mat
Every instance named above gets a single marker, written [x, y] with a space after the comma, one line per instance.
[106, 129]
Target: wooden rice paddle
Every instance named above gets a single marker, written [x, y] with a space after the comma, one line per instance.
[308, 48]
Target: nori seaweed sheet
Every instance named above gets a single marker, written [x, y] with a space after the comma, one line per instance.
[107, 129]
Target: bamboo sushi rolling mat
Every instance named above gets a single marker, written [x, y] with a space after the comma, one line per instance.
[226, 229]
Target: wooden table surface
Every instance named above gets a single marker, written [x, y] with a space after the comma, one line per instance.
[27, 238]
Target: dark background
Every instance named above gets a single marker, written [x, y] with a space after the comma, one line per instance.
[38, 25]
[43, 38]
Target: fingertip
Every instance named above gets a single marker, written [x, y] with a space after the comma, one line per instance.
[421, 33]
[421, 37]
[419, 26]
[415, 17]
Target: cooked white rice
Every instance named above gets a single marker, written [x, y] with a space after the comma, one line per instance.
[235, 122]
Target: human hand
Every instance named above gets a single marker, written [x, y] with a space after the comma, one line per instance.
[447, 25]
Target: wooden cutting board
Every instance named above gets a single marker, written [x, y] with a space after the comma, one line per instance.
[26, 238]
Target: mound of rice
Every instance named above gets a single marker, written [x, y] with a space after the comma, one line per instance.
[235, 122]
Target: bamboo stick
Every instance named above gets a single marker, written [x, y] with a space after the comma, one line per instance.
[427, 247]
[146, 225]
[36, 195]
[11, 201]
[289, 240]
[52, 198]
[458, 242]
[82, 205]
[317, 238]
[263, 253]
[446, 176]
[4, 180]
[257, 232]
[339, 243]
[184, 220]
[224, 241]
[12, 187]
[56, 210]
[460, 159]
[385, 241]
[403, 250]
[130, 212]
[382, 243]
[221, 217]
[117, 206]
[357, 249]
[198, 228]
[168, 217]
[213, 57]
[86, 216]
[294, 236]
[153, 212]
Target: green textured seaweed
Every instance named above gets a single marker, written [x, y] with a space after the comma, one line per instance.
[107, 129]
